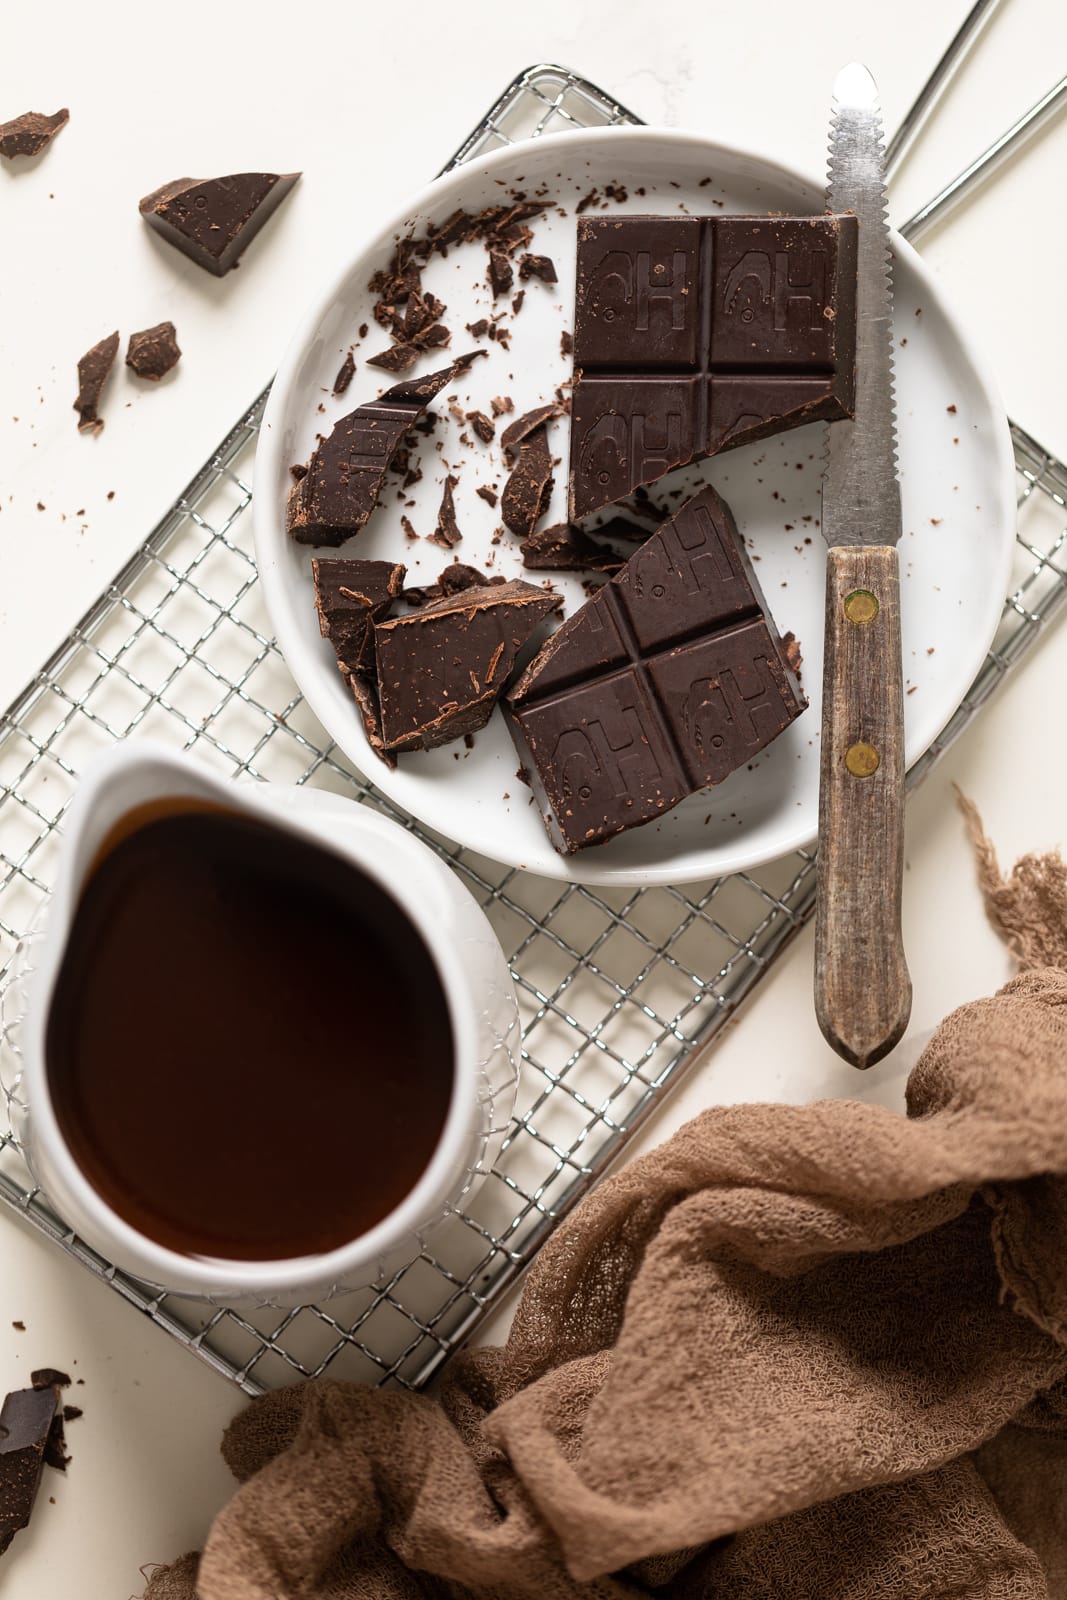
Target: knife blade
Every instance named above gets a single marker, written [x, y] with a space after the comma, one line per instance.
[862, 986]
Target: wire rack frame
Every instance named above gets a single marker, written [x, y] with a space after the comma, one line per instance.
[614, 986]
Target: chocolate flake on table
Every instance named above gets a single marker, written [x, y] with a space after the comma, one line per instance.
[483, 426]
[668, 679]
[514, 434]
[153, 352]
[345, 374]
[517, 302]
[696, 334]
[566, 344]
[415, 329]
[442, 669]
[214, 220]
[55, 1449]
[28, 134]
[565, 548]
[93, 370]
[25, 1423]
[529, 488]
[501, 276]
[72, 1413]
[487, 494]
[447, 533]
[541, 267]
[50, 1377]
[501, 404]
[335, 497]
[350, 596]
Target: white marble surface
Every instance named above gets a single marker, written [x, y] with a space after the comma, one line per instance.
[227, 88]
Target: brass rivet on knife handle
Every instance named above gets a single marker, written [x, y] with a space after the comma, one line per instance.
[861, 606]
[862, 988]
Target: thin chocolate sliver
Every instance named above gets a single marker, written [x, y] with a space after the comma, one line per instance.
[28, 134]
[365, 693]
[447, 532]
[538, 267]
[93, 371]
[523, 426]
[214, 220]
[529, 488]
[336, 495]
[501, 276]
[483, 426]
[565, 548]
[345, 374]
[153, 352]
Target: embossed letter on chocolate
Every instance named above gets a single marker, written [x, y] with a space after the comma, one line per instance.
[671, 677]
[694, 334]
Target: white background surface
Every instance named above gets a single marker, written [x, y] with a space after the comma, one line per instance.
[368, 105]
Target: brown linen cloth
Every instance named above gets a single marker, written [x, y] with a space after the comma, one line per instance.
[814, 1353]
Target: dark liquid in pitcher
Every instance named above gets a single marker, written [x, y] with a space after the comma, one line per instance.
[249, 1051]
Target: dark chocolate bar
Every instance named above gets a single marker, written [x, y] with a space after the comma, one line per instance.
[334, 498]
[25, 1425]
[441, 669]
[695, 334]
[213, 220]
[670, 678]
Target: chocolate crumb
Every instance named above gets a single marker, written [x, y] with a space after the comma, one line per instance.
[951, 409]
[541, 267]
[447, 531]
[40, 506]
[490, 496]
[46, 1377]
[153, 352]
[345, 374]
[19, 1327]
[405, 523]
[482, 425]
[500, 274]
[501, 404]
[566, 344]
[72, 1413]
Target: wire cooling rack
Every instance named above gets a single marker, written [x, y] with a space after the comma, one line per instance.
[616, 987]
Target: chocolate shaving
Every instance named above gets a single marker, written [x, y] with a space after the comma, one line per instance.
[529, 488]
[345, 374]
[566, 344]
[447, 532]
[93, 370]
[153, 352]
[483, 427]
[500, 404]
[500, 274]
[523, 426]
[490, 496]
[541, 267]
[364, 692]
[49, 1378]
[28, 134]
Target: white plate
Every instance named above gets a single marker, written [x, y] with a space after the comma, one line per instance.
[956, 468]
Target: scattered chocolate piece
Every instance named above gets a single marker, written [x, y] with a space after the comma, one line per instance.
[72, 1413]
[791, 647]
[25, 1422]
[447, 533]
[696, 334]
[490, 496]
[350, 596]
[479, 329]
[49, 1377]
[214, 220]
[365, 693]
[153, 352]
[442, 669]
[500, 274]
[482, 425]
[529, 488]
[500, 404]
[517, 302]
[537, 267]
[523, 426]
[566, 344]
[565, 548]
[345, 374]
[409, 528]
[55, 1449]
[338, 492]
[667, 680]
[397, 358]
[27, 135]
[93, 370]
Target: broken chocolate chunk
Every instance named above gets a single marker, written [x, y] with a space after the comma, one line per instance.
[523, 426]
[154, 351]
[454, 578]
[668, 679]
[566, 344]
[93, 370]
[50, 1377]
[529, 488]
[442, 669]
[447, 532]
[696, 334]
[25, 1423]
[538, 267]
[345, 374]
[335, 497]
[214, 220]
[489, 495]
[365, 693]
[501, 276]
[482, 425]
[55, 1449]
[500, 404]
[350, 596]
[27, 135]
[397, 358]
[565, 548]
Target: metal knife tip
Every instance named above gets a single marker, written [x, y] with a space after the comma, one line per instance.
[854, 86]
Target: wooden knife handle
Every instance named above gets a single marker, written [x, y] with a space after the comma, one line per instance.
[862, 987]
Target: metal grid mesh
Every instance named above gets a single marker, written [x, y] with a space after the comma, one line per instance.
[616, 987]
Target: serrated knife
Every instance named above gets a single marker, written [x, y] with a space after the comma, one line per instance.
[862, 987]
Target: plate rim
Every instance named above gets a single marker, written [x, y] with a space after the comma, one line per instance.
[580, 868]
